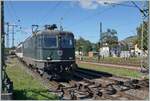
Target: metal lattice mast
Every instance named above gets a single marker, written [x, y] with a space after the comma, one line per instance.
[13, 38]
[149, 41]
[13, 29]
[2, 46]
[100, 40]
[142, 42]
[7, 35]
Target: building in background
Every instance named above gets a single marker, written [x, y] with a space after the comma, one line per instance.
[92, 54]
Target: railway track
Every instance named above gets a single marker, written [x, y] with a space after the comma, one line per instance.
[86, 84]
[126, 66]
[111, 87]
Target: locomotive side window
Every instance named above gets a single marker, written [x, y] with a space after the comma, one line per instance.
[25, 45]
[50, 41]
[66, 41]
[39, 40]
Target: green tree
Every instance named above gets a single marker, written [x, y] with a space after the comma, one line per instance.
[95, 46]
[83, 45]
[110, 37]
[145, 35]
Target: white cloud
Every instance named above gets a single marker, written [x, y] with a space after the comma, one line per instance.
[88, 4]
[93, 4]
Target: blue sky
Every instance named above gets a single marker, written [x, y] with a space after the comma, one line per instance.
[80, 17]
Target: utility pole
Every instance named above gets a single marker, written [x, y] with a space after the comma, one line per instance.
[149, 41]
[6, 83]
[61, 28]
[100, 40]
[7, 35]
[142, 43]
[2, 46]
[143, 15]
[13, 39]
[13, 32]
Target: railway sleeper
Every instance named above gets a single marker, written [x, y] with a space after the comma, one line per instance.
[97, 93]
[144, 83]
[95, 86]
[131, 86]
[123, 86]
[82, 96]
[72, 95]
[111, 91]
[120, 87]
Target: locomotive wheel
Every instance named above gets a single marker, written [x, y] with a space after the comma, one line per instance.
[58, 69]
[73, 67]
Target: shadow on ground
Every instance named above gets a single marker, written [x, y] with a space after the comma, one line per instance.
[84, 73]
[32, 94]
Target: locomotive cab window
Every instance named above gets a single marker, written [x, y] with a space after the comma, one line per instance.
[66, 41]
[50, 41]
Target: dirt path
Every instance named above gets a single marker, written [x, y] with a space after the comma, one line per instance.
[112, 65]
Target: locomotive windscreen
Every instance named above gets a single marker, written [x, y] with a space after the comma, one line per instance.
[50, 41]
[66, 41]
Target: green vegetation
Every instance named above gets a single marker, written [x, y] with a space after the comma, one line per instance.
[145, 35]
[115, 71]
[110, 37]
[25, 86]
[134, 61]
[7, 50]
[131, 40]
[83, 45]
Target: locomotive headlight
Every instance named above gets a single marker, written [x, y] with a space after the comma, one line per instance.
[49, 58]
[70, 58]
[60, 52]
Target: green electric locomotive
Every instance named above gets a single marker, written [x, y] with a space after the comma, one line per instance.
[51, 51]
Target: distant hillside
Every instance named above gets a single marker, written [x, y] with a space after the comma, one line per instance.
[130, 39]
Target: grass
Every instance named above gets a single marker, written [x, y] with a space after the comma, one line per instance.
[25, 86]
[133, 61]
[123, 72]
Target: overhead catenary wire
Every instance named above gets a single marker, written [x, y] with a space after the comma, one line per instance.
[14, 11]
[142, 11]
[63, 17]
[67, 12]
[50, 11]
[119, 4]
[91, 16]
[10, 13]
